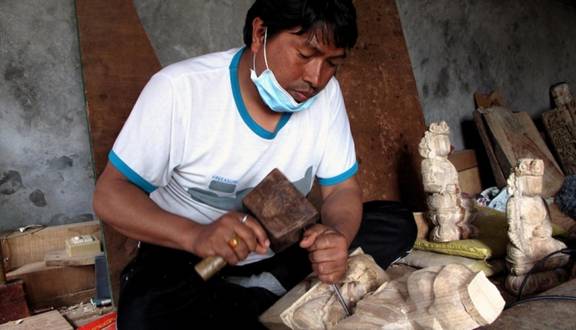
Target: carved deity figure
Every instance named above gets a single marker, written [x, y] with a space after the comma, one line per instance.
[563, 99]
[447, 211]
[441, 297]
[560, 124]
[530, 231]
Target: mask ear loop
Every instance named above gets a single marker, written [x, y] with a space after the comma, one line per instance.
[265, 56]
[265, 39]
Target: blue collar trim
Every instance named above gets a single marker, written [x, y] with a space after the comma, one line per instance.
[252, 124]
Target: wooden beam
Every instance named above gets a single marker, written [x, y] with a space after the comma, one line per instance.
[117, 61]
[383, 106]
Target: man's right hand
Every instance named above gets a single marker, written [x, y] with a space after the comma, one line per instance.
[231, 239]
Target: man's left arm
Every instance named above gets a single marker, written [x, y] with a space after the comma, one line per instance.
[329, 241]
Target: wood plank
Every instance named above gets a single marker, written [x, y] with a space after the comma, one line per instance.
[52, 320]
[61, 258]
[115, 71]
[496, 121]
[517, 137]
[487, 142]
[48, 286]
[561, 131]
[385, 115]
[31, 246]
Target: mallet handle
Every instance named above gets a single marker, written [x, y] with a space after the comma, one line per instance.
[209, 266]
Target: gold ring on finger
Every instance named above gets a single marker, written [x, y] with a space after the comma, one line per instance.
[233, 242]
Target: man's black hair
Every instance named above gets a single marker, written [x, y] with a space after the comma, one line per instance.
[331, 21]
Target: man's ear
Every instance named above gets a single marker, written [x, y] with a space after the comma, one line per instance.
[258, 29]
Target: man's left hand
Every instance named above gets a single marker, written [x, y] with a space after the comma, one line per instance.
[328, 252]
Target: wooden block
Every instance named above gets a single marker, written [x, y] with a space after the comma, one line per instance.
[83, 245]
[281, 209]
[13, 302]
[61, 258]
[463, 159]
[468, 173]
[46, 321]
[482, 300]
[48, 286]
[469, 181]
[271, 317]
[31, 246]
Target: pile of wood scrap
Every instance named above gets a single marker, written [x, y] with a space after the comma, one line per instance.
[47, 268]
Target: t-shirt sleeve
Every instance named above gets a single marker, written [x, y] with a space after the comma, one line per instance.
[338, 162]
[146, 150]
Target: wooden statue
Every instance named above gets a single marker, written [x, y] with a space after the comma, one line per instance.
[442, 297]
[560, 124]
[446, 209]
[530, 231]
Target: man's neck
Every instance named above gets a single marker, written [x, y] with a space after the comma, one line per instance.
[257, 109]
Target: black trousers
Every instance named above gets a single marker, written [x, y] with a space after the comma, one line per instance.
[161, 290]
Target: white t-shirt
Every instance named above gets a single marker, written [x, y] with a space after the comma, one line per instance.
[190, 142]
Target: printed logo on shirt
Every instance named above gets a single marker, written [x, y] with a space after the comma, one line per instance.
[222, 184]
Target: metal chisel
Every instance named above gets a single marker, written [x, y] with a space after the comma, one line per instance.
[341, 299]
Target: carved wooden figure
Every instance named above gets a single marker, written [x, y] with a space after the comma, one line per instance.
[442, 297]
[560, 124]
[530, 231]
[446, 208]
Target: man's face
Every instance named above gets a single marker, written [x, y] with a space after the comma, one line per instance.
[302, 64]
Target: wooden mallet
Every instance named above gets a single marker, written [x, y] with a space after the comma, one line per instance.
[282, 211]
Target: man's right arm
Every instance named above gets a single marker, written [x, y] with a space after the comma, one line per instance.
[129, 210]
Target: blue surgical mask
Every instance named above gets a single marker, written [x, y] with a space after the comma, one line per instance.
[275, 97]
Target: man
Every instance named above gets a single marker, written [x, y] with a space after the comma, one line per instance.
[202, 134]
